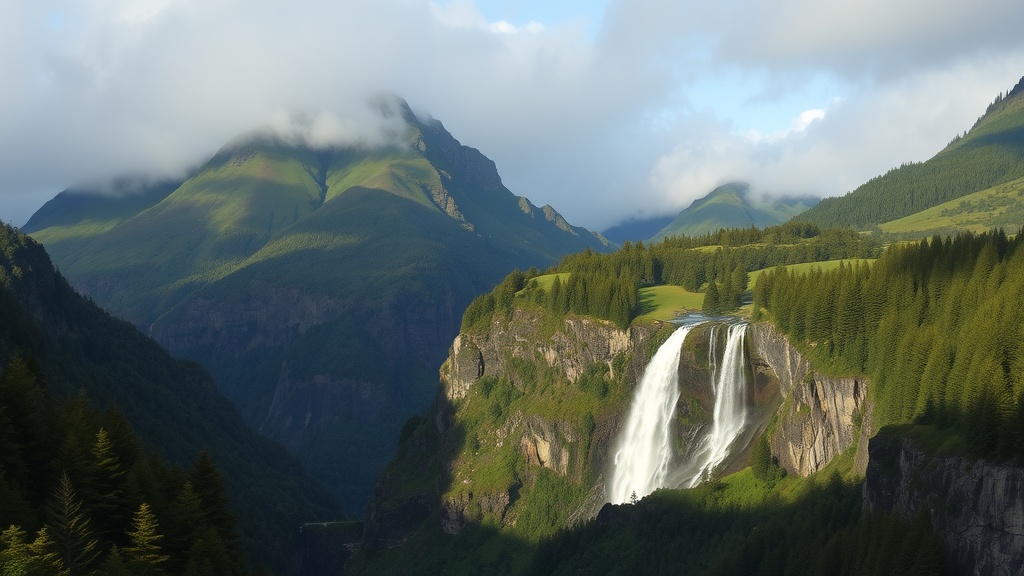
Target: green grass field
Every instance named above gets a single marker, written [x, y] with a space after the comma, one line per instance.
[999, 206]
[546, 280]
[665, 302]
[808, 266]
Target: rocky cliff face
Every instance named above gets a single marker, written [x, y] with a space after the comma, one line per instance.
[821, 417]
[522, 403]
[977, 507]
[580, 342]
[528, 401]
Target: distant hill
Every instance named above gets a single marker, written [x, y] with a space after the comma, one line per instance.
[730, 206]
[172, 405]
[637, 230]
[320, 286]
[990, 155]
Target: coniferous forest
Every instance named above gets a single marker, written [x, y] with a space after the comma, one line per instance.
[113, 455]
[605, 285]
[937, 325]
[80, 495]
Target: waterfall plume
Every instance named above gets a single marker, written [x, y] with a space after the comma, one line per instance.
[644, 449]
[644, 452]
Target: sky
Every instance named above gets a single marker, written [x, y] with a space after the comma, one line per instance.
[605, 109]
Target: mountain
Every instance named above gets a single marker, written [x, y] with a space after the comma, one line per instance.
[320, 286]
[988, 156]
[731, 206]
[636, 230]
[172, 405]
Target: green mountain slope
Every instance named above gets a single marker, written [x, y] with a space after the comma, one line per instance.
[990, 154]
[1001, 206]
[321, 287]
[730, 206]
[172, 405]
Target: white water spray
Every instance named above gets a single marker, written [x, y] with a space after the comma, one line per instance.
[645, 446]
[644, 454]
[730, 407]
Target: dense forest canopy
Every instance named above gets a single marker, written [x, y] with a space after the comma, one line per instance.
[938, 325]
[75, 348]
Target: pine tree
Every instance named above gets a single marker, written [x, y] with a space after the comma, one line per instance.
[15, 555]
[71, 529]
[209, 486]
[144, 550]
[712, 303]
[45, 558]
[109, 506]
[115, 564]
[18, 558]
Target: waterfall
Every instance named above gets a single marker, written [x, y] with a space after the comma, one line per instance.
[643, 458]
[645, 445]
[730, 413]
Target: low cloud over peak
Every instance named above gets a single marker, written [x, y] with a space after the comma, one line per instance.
[642, 116]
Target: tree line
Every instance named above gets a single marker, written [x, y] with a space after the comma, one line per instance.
[606, 285]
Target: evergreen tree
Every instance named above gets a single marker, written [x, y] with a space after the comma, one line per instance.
[712, 303]
[18, 558]
[15, 554]
[209, 487]
[740, 278]
[71, 530]
[116, 565]
[143, 552]
[45, 559]
[108, 500]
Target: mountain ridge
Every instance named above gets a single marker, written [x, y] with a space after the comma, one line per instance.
[306, 277]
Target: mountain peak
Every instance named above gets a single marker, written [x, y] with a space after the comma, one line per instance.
[731, 206]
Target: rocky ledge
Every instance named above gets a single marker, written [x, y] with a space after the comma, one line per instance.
[977, 507]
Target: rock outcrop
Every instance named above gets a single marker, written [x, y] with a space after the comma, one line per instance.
[821, 416]
[577, 374]
[577, 344]
[976, 506]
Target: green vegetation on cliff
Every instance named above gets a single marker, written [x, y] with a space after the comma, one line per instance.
[936, 325]
[491, 489]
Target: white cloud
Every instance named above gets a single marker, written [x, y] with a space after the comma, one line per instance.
[600, 126]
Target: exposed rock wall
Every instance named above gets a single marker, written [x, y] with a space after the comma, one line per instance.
[821, 417]
[578, 343]
[545, 436]
[977, 507]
